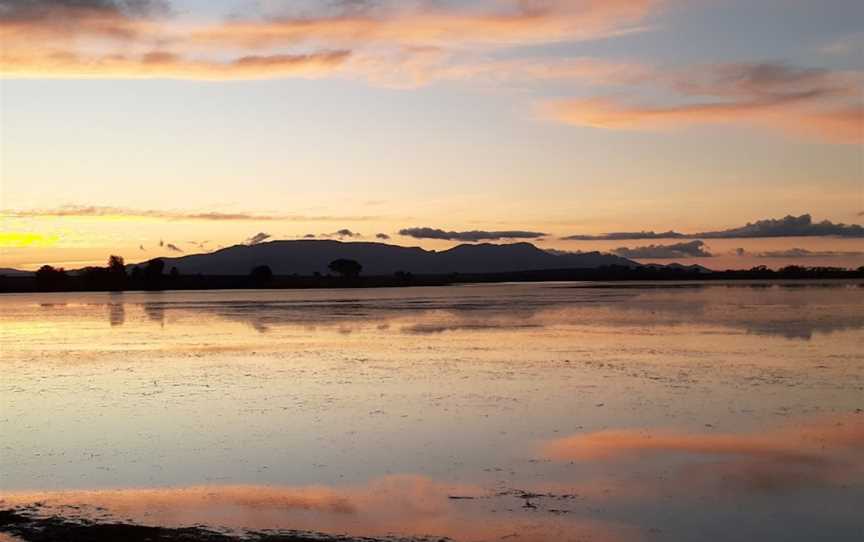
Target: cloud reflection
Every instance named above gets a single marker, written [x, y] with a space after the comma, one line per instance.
[813, 453]
[403, 506]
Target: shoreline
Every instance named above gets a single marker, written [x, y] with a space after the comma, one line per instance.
[624, 276]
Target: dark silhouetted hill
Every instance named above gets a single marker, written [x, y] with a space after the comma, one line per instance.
[8, 272]
[306, 257]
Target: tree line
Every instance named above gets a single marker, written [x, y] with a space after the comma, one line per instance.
[116, 276]
[345, 273]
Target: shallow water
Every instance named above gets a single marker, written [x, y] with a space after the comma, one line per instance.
[529, 411]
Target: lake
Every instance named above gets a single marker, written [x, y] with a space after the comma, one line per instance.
[524, 412]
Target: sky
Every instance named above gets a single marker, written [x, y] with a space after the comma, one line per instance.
[151, 128]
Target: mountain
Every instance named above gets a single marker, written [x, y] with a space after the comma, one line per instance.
[8, 272]
[305, 257]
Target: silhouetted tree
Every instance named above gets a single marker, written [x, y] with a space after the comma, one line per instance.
[174, 273]
[48, 278]
[792, 270]
[346, 268]
[261, 275]
[116, 273]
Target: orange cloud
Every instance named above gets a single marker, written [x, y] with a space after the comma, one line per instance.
[521, 22]
[169, 65]
[394, 44]
[420, 66]
[843, 125]
[108, 212]
[809, 103]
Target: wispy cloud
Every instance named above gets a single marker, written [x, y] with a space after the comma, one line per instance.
[789, 226]
[691, 249]
[173, 248]
[800, 253]
[469, 236]
[258, 238]
[811, 103]
[851, 44]
[163, 64]
[60, 19]
[625, 235]
[96, 211]
[388, 41]
[433, 23]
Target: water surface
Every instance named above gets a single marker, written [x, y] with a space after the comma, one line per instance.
[482, 412]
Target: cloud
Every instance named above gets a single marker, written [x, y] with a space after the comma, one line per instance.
[469, 236]
[95, 38]
[161, 64]
[346, 233]
[811, 103]
[799, 253]
[390, 42]
[52, 19]
[690, 249]
[97, 211]
[788, 226]
[173, 248]
[436, 24]
[382, 236]
[625, 235]
[846, 45]
[258, 238]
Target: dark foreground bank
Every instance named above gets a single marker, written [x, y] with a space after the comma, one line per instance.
[28, 526]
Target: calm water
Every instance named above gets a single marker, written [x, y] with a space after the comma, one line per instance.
[517, 412]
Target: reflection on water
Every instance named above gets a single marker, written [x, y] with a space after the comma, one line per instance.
[524, 412]
[392, 505]
[823, 452]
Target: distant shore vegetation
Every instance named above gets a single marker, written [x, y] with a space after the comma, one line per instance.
[345, 273]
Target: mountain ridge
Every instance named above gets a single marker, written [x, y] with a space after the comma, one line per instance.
[306, 257]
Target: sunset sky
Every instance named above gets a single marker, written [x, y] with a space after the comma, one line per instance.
[153, 128]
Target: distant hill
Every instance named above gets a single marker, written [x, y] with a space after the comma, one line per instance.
[306, 257]
[693, 267]
[8, 272]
